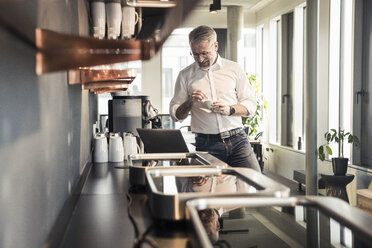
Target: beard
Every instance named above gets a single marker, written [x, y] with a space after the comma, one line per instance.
[205, 64]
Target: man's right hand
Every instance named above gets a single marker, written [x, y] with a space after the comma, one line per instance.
[198, 95]
[183, 110]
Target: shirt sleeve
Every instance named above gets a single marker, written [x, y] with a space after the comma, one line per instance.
[180, 96]
[245, 92]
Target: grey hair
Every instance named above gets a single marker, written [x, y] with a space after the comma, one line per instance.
[202, 33]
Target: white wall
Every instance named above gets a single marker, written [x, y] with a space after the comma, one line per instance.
[151, 80]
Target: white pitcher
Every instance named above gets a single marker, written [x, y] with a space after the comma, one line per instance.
[100, 149]
[130, 145]
[116, 149]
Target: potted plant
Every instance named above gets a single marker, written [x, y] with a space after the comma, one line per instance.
[253, 122]
[339, 164]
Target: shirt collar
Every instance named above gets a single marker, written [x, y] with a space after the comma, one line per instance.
[216, 66]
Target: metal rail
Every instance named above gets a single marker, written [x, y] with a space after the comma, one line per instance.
[359, 222]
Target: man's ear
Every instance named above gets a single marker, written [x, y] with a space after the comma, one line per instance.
[216, 46]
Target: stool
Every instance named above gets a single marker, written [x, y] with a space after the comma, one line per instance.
[336, 185]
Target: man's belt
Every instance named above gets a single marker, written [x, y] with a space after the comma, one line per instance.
[223, 135]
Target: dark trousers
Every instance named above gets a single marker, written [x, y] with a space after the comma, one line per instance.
[236, 150]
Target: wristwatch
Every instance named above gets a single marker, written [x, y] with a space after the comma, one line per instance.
[232, 111]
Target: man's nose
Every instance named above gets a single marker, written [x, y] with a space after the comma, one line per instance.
[198, 57]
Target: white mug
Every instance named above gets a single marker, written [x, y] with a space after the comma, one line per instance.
[129, 21]
[99, 19]
[113, 16]
[130, 145]
[100, 149]
[116, 149]
[208, 103]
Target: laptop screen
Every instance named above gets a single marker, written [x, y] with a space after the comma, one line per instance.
[162, 140]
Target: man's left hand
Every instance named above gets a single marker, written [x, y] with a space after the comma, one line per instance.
[221, 108]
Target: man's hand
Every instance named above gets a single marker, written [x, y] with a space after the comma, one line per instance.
[220, 108]
[183, 110]
[198, 96]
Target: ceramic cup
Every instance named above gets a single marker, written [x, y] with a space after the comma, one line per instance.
[100, 149]
[116, 149]
[99, 19]
[130, 145]
[129, 21]
[208, 103]
[113, 16]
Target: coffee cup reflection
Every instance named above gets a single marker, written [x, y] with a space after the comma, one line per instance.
[209, 218]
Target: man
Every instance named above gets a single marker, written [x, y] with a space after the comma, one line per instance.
[218, 126]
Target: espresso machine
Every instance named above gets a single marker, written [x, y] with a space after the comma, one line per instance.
[127, 113]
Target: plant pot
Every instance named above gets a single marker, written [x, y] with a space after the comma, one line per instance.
[339, 166]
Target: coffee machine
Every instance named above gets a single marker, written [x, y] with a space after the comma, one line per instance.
[127, 113]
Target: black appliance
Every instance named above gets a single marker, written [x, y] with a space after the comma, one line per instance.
[127, 113]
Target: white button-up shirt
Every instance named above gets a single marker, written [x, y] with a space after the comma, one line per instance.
[224, 81]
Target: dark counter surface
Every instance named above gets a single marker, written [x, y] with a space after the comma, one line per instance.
[101, 217]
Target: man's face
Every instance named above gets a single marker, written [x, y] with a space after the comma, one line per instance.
[204, 53]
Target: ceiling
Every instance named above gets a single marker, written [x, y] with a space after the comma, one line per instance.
[253, 5]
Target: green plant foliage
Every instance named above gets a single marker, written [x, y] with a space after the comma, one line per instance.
[254, 121]
[334, 136]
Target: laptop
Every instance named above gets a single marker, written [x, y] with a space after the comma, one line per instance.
[162, 140]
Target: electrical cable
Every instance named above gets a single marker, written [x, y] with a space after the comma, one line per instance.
[139, 239]
[130, 200]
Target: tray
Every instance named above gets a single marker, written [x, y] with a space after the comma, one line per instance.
[170, 188]
[139, 163]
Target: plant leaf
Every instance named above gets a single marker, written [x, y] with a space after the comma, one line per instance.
[321, 150]
[329, 150]
[322, 157]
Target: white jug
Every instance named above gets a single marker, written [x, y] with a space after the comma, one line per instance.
[130, 145]
[116, 149]
[100, 149]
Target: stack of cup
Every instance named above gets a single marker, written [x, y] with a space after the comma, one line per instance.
[100, 149]
[116, 148]
[99, 18]
[113, 16]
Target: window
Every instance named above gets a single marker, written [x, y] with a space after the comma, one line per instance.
[287, 37]
[271, 66]
[363, 83]
[287, 83]
[175, 57]
[249, 51]
[340, 79]
[299, 76]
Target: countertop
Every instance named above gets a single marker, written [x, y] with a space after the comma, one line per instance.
[101, 217]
